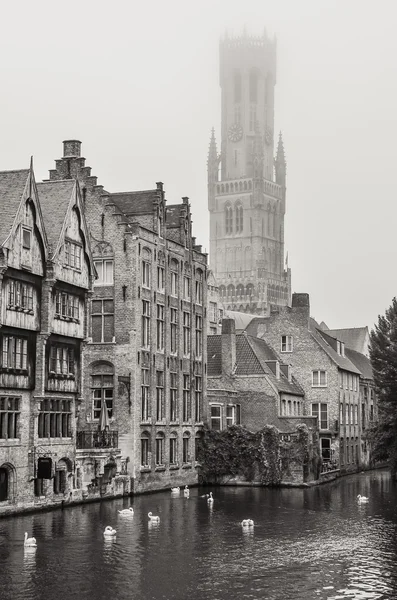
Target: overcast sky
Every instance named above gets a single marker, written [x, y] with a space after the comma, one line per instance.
[138, 84]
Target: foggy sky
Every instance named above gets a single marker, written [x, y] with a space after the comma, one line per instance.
[138, 84]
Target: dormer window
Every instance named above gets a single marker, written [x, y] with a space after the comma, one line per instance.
[73, 255]
[26, 238]
[340, 348]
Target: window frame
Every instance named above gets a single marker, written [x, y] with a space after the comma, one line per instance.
[319, 384]
[287, 344]
[104, 272]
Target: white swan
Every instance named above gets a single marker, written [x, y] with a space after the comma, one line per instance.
[127, 511]
[153, 518]
[175, 490]
[186, 491]
[247, 523]
[210, 500]
[109, 531]
[362, 499]
[31, 542]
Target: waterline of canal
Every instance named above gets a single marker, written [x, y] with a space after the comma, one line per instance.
[306, 543]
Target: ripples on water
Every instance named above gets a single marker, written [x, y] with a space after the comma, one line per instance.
[306, 543]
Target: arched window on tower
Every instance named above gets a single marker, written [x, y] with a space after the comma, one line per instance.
[253, 85]
[237, 86]
[239, 218]
[228, 219]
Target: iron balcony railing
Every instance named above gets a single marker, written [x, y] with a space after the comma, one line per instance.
[97, 439]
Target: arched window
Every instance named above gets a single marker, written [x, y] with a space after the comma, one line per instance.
[145, 449]
[240, 290]
[174, 276]
[245, 185]
[173, 448]
[222, 291]
[250, 289]
[237, 86]
[239, 219]
[230, 290]
[228, 219]
[253, 85]
[197, 445]
[186, 458]
[102, 386]
[160, 456]
[146, 267]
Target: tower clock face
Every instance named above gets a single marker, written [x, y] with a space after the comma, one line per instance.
[235, 132]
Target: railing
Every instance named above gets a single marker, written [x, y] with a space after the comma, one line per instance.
[97, 439]
[328, 466]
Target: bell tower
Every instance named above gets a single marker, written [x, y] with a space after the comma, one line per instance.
[247, 202]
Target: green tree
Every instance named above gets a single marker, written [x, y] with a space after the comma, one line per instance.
[383, 355]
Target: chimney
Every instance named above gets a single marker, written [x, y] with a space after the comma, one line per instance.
[228, 346]
[287, 371]
[300, 306]
[71, 149]
[159, 185]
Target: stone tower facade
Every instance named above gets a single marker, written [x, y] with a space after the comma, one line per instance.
[246, 184]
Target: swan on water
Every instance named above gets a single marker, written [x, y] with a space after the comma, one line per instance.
[186, 491]
[362, 498]
[109, 531]
[210, 500]
[127, 511]
[153, 517]
[175, 490]
[247, 523]
[31, 542]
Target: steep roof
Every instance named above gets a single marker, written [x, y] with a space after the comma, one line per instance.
[247, 363]
[135, 203]
[214, 355]
[173, 214]
[12, 186]
[361, 361]
[241, 320]
[357, 338]
[54, 197]
[321, 337]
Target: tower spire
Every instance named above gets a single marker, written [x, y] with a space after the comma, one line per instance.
[280, 163]
[212, 168]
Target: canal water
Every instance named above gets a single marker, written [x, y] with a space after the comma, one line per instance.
[306, 543]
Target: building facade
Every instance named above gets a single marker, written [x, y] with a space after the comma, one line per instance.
[146, 355]
[46, 275]
[246, 184]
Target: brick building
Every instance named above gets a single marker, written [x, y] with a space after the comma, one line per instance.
[147, 351]
[330, 380]
[215, 310]
[46, 274]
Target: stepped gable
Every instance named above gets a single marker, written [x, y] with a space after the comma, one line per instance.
[54, 199]
[12, 186]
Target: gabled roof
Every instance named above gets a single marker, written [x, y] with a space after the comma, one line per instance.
[357, 338]
[12, 186]
[361, 361]
[241, 320]
[54, 197]
[251, 356]
[173, 214]
[135, 203]
[323, 339]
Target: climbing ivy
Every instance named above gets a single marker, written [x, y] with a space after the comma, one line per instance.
[260, 456]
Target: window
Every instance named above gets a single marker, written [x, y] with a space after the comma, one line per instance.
[326, 449]
[104, 269]
[186, 448]
[186, 398]
[145, 324]
[61, 360]
[213, 312]
[319, 378]
[26, 238]
[216, 417]
[145, 459]
[286, 343]
[341, 379]
[356, 414]
[174, 277]
[351, 382]
[145, 405]
[146, 274]
[355, 383]
[239, 219]
[186, 333]
[347, 413]
[198, 399]
[102, 321]
[14, 352]
[199, 287]
[174, 330]
[173, 397]
[341, 414]
[55, 418]
[199, 335]
[173, 450]
[73, 255]
[321, 412]
[20, 295]
[228, 219]
[9, 417]
[160, 408]
[102, 390]
[342, 349]
[160, 279]
[160, 327]
[186, 288]
[159, 450]
[232, 415]
[66, 305]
